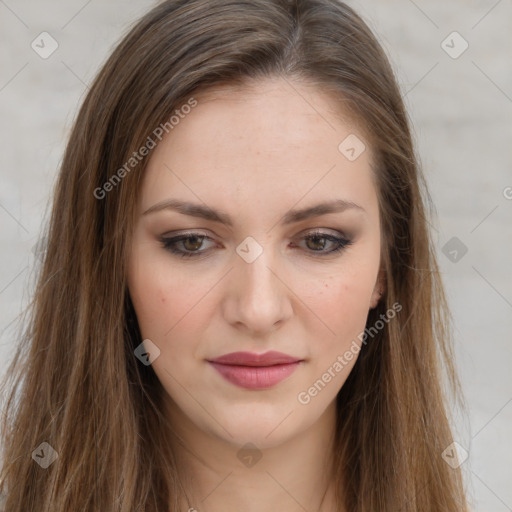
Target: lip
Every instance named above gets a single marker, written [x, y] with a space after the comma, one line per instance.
[255, 371]
[270, 358]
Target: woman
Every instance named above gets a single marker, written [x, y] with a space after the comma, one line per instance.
[239, 305]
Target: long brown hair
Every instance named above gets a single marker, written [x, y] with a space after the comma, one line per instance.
[75, 382]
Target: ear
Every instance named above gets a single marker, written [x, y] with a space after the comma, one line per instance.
[379, 289]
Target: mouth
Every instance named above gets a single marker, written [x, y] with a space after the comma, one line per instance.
[255, 371]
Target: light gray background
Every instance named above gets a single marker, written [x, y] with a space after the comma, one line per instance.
[461, 110]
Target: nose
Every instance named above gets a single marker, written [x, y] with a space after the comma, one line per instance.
[257, 298]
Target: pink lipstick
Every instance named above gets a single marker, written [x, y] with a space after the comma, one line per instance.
[255, 371]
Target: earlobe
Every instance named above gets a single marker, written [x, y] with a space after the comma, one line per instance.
[378, 291]
[375, 299]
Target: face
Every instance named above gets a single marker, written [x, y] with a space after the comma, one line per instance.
[229, 256]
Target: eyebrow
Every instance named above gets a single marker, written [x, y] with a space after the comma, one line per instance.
[290, 217]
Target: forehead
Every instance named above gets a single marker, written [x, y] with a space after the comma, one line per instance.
[273, 111]
[257, 141]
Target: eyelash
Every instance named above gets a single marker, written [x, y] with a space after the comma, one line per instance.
[170, 243]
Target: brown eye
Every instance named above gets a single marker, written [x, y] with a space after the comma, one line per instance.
[193, 243]
[185, 245]
[318, 242]
[189, 244]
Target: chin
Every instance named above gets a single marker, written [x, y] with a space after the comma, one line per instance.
[265, 429]
[257, 435]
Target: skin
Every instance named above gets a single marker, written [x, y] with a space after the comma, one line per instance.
[255, 153]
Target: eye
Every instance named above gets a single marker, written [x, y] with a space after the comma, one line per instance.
[317, 241]
[191, 243]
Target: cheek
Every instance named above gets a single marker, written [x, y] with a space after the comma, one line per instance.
[168, 306]
[341, 304]
[147, 290]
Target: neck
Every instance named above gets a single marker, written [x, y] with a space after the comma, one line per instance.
[219, 475]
